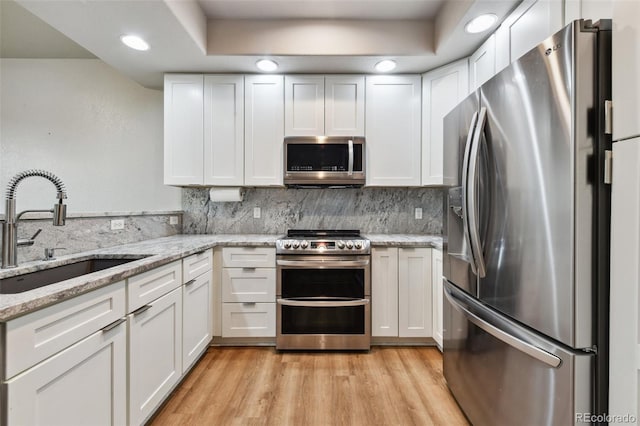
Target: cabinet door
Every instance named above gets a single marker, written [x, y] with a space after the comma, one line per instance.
[526, 27]
[626, 69]
[414, 292]
[482, 64]
[155, 354]
[304, 105]
[442, 89]
[183, 129]
[86, 384]
[393, 130]
[224, 130]
[625, 275]
[197, 318]
[264, 130]
[344, 105]
[384, 292]
[436, 281]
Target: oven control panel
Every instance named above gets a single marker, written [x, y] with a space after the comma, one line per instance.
[356, 246]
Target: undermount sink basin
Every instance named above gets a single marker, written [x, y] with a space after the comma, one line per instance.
[33, 280]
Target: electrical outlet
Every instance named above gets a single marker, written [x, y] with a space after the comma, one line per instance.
[173, 220]
[418, 213]
[256, 212]
[117, 224]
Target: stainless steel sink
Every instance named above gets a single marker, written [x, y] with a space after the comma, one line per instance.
[33, 280]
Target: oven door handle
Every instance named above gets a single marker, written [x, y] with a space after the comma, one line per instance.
[310, 303]
[322, 264]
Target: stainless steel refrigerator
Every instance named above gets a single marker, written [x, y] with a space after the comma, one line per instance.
[527, 236]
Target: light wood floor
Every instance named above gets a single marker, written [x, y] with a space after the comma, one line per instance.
[259, 386]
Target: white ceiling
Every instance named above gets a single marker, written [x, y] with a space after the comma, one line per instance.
[303, 36]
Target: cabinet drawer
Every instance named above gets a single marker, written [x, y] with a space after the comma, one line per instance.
[38, 335]
[248, 320]
[249, 257]
[248, 285]
[148, 286]
[196, 265]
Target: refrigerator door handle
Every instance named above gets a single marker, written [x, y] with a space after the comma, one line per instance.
[470, 194]
[465, 178]
[527, 348]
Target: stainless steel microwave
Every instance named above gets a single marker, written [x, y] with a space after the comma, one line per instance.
[323, 161]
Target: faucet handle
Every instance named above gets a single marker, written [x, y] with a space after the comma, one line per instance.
[36, 234]
[49, 253]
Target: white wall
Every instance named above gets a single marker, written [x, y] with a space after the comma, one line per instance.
[100, 132]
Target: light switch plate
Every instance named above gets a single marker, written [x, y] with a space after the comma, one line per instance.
[418, 213]
[173, 220]
[256, 212]
[117, 224]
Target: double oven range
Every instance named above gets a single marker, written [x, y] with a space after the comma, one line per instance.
[323, 290]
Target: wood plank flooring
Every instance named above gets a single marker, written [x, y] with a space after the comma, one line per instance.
[260, 386]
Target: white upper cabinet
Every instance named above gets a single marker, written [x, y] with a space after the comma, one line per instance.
[393, 150]
[626, 69]
[263, 130]
[304, 105]
[344, 105]
[203, 130]
[527, 26]
[183, 129]
[324, 105]
[482, 64]
[223, 130]
[442, 90]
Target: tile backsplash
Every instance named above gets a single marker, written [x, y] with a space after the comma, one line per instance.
[372, 210]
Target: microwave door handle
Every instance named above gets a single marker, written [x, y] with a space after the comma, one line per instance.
[350, 172]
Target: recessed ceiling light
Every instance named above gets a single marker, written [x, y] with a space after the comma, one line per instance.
[386, 65]
[134, 42]
[481, 23]
[267, 65]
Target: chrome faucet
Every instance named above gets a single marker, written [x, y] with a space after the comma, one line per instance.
[10, 241]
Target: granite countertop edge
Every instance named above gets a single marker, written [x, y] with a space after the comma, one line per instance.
[149, 254]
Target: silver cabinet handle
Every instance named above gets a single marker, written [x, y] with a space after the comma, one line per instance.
[524, 347]
[248, 269]
[465, 180]
[188, 283]
[113, 325]
[322, 264]
[471, 201]
[350, 167]
[310, 303]
[141, 310]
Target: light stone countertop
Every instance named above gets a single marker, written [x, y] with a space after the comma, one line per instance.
[156, 252]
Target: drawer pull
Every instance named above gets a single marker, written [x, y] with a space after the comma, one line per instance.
[188, 283]
[141, 310]
[113, 325]
[249, 269]
[252, 304]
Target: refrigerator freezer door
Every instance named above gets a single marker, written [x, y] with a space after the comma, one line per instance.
[458, 125]
[535, 195]
[503, 374]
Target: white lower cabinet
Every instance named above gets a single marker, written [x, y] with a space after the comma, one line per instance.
[436, 281]
[401, 292]
[248, 293]
[84, 384]
[155, 354]
[197, 316]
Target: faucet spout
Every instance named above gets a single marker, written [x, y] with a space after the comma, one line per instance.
[10, 225]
